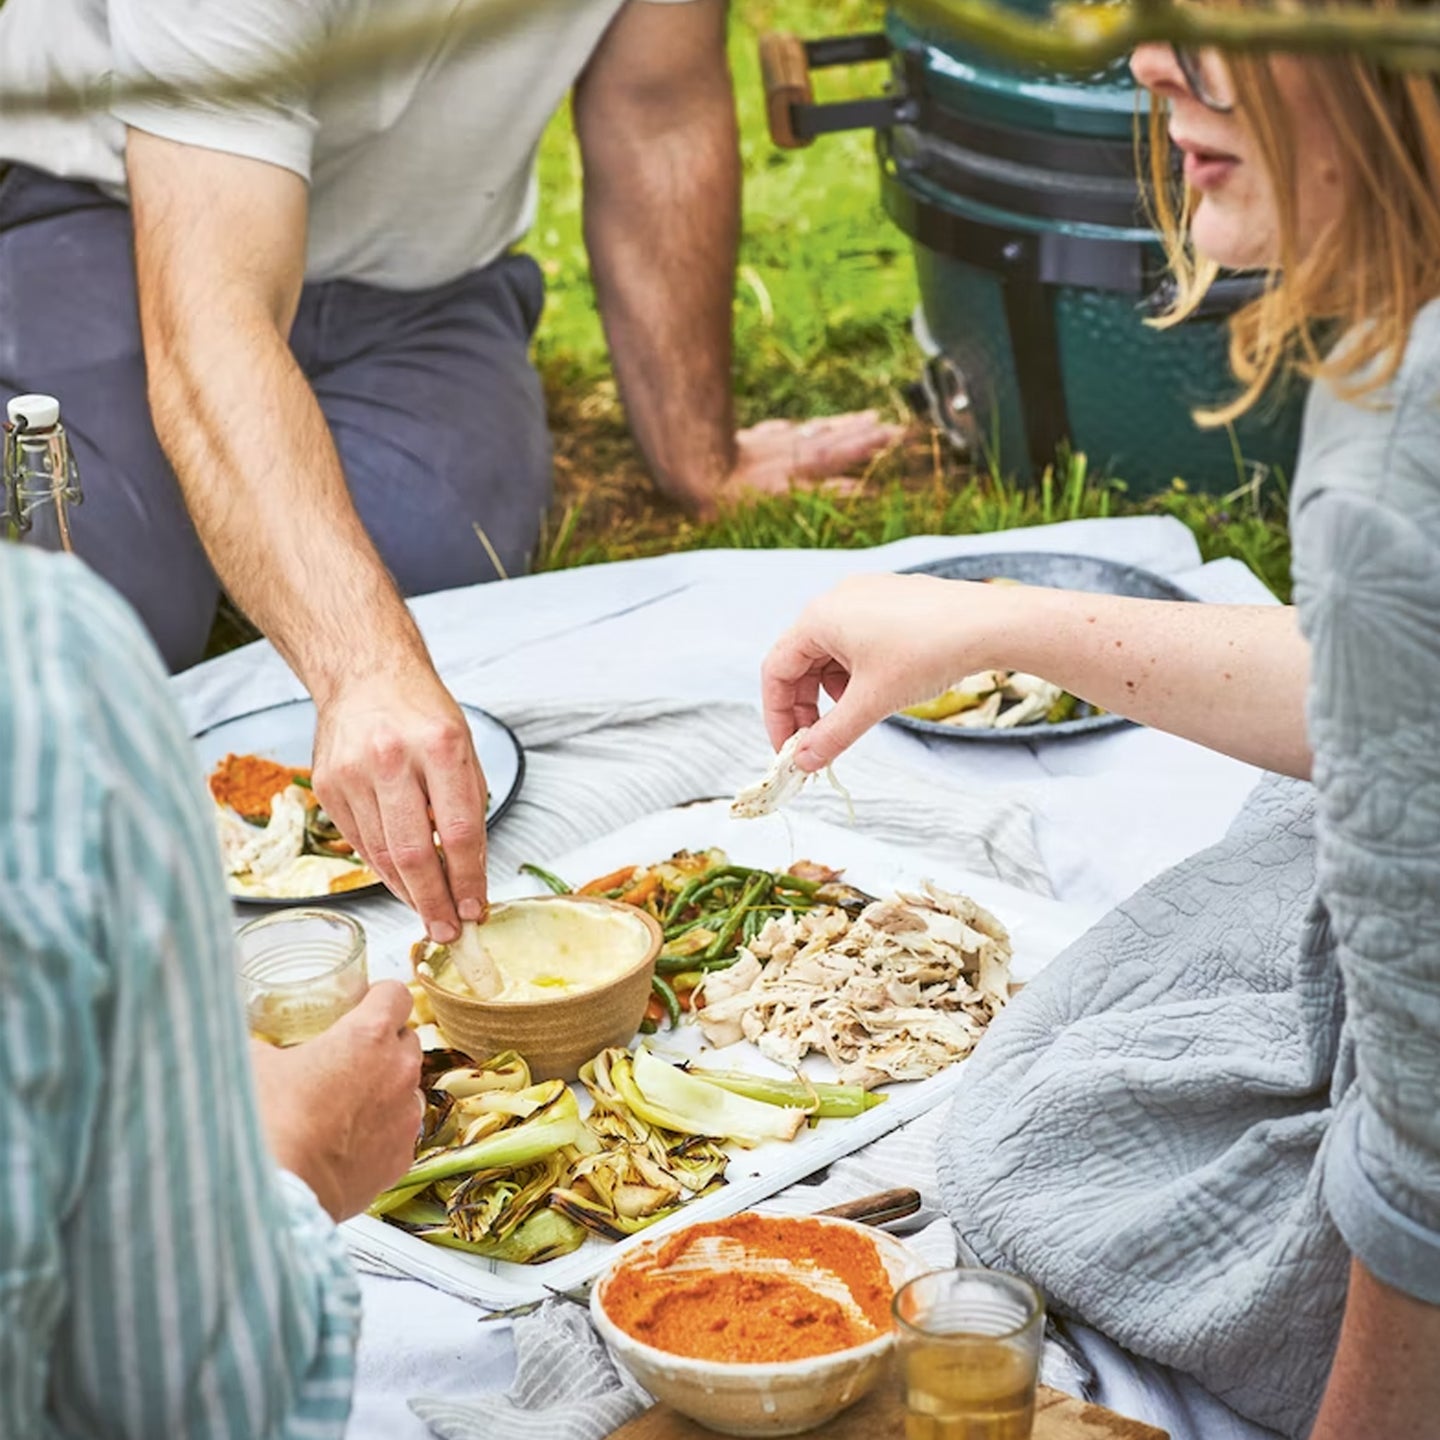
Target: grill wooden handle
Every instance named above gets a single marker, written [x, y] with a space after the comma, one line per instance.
[877, 1209]
[785, 71]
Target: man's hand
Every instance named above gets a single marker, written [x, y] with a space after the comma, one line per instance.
[773, 457]
[342, 1111]
[395, 765]
[220, 256]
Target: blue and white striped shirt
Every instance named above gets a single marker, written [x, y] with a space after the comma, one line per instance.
[159, 1278]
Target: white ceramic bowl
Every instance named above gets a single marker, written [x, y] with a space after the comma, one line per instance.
[784, 1398]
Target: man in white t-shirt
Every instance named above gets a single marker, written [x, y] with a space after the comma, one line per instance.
[290, 335]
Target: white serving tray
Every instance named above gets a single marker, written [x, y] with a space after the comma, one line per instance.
[1039, 928]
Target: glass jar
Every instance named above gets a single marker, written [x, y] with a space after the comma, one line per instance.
[300, 971]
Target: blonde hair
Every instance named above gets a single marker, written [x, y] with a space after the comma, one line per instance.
[1368, 274]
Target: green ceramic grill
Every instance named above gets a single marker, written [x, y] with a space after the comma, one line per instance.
[1036, 264]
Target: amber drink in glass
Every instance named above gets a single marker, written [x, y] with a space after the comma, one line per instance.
[967, 1345]
[300, 971]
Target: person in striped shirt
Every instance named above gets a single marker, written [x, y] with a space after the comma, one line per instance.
[169, 1262]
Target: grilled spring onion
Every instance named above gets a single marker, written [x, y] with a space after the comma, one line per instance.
[547, 1234]
[636, 1179]
[667, 1097]
[643, 1172]
[820, 1100]
[556, 1125]
[622, 1191]
[490, 1205]
[506, 1071]
[643, 1090]
[601, 1221]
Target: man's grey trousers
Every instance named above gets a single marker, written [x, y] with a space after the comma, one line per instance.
[434, 406]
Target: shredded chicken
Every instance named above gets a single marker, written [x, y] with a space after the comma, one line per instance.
[1034, 699]
[272, 849]
[269, 862]
[781, 783]
[897, 993]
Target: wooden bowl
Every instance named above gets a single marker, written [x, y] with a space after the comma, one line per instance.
[555, 1035]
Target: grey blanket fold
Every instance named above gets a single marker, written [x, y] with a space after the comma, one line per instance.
[1139, 1131]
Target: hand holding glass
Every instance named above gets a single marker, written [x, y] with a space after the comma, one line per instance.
[300, 971]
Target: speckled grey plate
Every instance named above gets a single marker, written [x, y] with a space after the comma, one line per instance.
[286, 732]
[1058, 572]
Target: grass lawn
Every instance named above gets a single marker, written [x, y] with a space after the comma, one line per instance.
[823, 298]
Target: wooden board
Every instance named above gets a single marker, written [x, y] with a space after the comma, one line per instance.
[881, 1417]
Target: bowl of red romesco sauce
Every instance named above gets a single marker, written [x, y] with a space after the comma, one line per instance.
[755, 1325]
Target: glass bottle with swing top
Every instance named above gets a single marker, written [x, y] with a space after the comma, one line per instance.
[38, 469]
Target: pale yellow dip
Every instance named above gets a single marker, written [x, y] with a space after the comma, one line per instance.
[546, 948]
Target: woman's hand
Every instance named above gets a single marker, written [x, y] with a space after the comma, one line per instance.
[342, 1110]
[874, 644]
[1230, 677]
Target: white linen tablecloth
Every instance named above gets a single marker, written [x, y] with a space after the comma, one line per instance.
[1110, 811]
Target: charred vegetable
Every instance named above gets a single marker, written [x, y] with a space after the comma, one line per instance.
[821, 1101]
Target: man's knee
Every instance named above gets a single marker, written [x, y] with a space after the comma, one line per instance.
[467, 506]
[441, 427]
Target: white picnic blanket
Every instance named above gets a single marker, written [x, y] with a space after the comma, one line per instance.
[644, 642]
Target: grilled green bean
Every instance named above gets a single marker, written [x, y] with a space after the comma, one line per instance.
[684, 964]
[725, 937]
[551, 882]
[674, 932]
[704, 885]
[668, 999]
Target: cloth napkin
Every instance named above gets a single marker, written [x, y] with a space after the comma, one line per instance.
[565, 1387]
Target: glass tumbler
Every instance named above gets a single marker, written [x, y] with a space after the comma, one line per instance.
[300, 971]
[968, 1348]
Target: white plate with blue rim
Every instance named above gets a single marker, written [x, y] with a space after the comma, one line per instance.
[286, 733]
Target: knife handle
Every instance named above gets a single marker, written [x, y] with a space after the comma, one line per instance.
[878, 1209]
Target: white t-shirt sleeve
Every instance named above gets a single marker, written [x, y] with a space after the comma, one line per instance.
[201, 42]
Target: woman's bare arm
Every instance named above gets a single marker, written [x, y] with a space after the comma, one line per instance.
[1230, 677]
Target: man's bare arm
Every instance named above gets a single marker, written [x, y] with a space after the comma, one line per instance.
[655, 115]
[220, 252]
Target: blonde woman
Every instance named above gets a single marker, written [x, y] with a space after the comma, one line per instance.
[1211, 1131]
